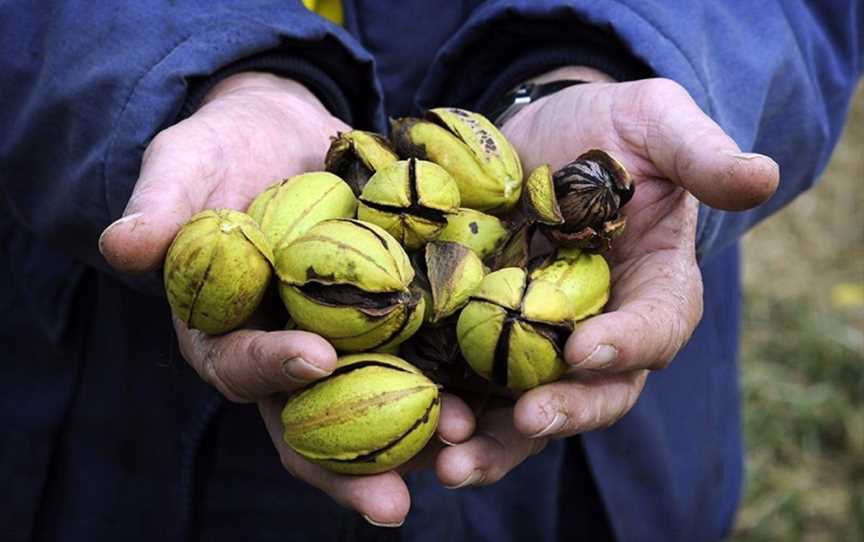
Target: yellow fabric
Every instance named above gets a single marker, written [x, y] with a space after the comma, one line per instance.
[329, 9]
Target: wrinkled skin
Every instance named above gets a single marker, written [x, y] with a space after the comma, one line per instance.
[243, 138]
[676, 155]
[252, 130]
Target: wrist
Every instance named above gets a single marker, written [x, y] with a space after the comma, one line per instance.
[533, 90]
[265, 85]
[567, 73]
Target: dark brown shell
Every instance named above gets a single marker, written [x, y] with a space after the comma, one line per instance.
[356, 155]
[435, 351]
[588, 238]
[590, 190]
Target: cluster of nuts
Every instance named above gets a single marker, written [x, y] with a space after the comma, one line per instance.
[411, 249]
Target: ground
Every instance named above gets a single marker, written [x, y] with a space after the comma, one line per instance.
[803, 359]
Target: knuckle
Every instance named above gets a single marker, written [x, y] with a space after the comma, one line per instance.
[585, 417]
[164, 140]
[215, 374]
[596, 417]
[288, 464]
[210, 158]
[615, 406]
[655, 97]
[184, 347]
[661, 88]
[191, 343]
[696, 297]
[259, 360]
[259, 356]
[172, 145]
[662, 362]
[626, 402]
[625, 406]
[673, 341]
[257, 349]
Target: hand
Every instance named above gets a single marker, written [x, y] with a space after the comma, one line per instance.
[251, 130]
[674, 152]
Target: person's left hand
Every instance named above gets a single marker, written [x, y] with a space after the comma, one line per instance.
[673, 152]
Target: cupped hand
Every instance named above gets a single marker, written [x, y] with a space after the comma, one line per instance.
[251, 130]
[676, 155]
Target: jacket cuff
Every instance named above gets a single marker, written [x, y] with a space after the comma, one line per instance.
[516, 50]
[600, 54]
[283, 64]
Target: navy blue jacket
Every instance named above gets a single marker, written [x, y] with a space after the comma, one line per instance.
[108, 435]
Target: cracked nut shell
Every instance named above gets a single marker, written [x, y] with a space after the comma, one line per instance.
[512, 332]
[447, 273]
[372, 414]
[349, 281]
[514, 328]
[356, 155]
[483, 233]
[287, 209]
[584, 277]
[410, 199]
[217, 270]
[578, 206]
[478, 156]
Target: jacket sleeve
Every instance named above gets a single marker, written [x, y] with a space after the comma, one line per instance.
[777, 76]
[86, 86]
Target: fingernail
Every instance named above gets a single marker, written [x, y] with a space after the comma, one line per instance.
[601, 357]
[742, 155]
[746, 155]
[298, 368]
[123, 220]
[445, 441]
[379, 524]
[554, 426]
[475, 477]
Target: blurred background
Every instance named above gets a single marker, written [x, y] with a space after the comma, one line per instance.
[803, 359]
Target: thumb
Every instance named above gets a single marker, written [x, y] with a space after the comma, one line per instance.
[159, 206]
[693, 151]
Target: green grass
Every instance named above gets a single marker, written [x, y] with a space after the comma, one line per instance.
[803, 423]
[803, 360]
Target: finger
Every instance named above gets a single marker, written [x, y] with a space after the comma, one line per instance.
[246, 365]
[644, 333]
[455, 425]
[693, 151]
[496, 449]
[656, 302]
[568, 407]
[424, 459]
[383, 499]
[456, 422]
[161, 201]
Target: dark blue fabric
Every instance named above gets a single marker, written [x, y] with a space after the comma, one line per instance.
[283, 65]
[110, 436]
[777, 77]
[86, 86]
[671, 469]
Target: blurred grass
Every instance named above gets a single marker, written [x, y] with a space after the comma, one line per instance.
[803, 359]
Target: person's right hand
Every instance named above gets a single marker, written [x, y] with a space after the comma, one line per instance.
[251, 130]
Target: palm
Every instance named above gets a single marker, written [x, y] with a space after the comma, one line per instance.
[264, 128]
[661, 217]
[233, 148]
[672, 150]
